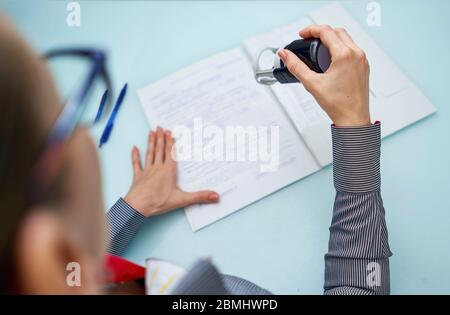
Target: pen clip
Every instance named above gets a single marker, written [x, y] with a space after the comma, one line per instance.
[101, 107]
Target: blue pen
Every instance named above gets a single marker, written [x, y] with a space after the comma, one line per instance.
[101, 107]
[109, 126]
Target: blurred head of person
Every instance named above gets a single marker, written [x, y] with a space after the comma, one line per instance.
[39, 240]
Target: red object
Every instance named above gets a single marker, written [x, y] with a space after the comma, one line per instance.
[119, 270]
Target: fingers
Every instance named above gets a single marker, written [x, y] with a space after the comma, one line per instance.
[338, 41]
[326, 34]
[297, 67]
[160, 146]
[169, 160]
[150, 155]
[136, 161]
[199, 197]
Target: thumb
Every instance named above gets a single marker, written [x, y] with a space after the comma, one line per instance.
[295, 66]
[204, 196]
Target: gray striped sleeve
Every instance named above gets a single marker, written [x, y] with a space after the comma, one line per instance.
[204, 279]
[356, 158]
[123, 223]
[239, 286]
[358, 250]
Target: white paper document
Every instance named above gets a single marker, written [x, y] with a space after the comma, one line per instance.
[223, 92]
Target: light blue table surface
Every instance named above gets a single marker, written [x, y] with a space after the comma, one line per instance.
[277, 242]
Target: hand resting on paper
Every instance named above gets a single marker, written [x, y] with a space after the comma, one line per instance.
[343, 90]
[154, 189]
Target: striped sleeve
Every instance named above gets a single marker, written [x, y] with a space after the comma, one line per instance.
[123, 223]
[358, 249]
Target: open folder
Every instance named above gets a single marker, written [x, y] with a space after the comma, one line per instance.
[222, 91]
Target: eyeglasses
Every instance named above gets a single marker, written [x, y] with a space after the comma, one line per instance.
[84, 83]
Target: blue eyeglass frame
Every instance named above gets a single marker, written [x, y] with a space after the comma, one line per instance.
[49, 159]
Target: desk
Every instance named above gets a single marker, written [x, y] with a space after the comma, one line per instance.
[278, 242]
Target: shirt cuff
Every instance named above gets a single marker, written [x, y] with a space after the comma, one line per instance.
[356, 158]
[123, 223]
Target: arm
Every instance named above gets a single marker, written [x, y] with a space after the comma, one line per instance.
[123, 222]
[357, 260]
[154, 191]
